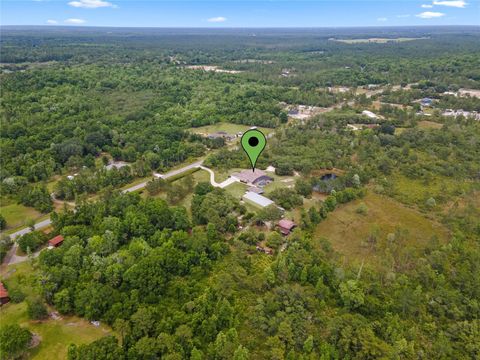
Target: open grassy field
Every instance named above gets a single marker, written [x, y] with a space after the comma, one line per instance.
[56, 335]
[425, 124]
[18, 215]
[227, 127]
[348, 230]
[416, 192]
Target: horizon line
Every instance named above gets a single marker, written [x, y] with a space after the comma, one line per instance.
[238, 27]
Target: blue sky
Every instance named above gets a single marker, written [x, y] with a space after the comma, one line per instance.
[231, 13]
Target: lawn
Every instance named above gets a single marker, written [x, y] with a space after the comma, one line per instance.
[236, 190]
[18, 215]
[56, 335]
[348, 230]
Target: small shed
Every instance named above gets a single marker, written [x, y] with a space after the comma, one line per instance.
[286, 226]
[56, 241]
[4, 298]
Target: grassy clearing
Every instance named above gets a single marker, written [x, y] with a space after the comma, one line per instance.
[56, 335]
[279, 182]
[425, 124]
[348, 231]
[416, 192]
[236, 190]
[18, 215]
[227, 127]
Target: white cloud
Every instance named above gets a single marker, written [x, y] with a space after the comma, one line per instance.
[382, 19]
[430, 15]
[217, 19]
[52, 22]
[426, 6]
[91, 4]
[403, 16]
[74, 21]
[451, 3]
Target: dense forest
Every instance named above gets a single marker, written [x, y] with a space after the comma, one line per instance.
[181, 276]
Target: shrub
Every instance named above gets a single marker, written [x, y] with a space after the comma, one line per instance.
[14, 341]
[16, 295]
[362, 209]
[36, 310]
[32, 241]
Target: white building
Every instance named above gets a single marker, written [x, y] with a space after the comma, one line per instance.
[257, 199]
[369, 114]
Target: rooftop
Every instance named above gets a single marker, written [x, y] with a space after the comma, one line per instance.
[286, 224]
[3, 291]
[56, 240]
[249, 176]
[258, 199]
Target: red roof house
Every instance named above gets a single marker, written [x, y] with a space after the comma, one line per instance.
[285, 226]
[4, 298]
[56, 241]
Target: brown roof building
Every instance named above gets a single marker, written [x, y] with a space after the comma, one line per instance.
[285, 226]
[4, 298]
[56, 241]
[256, 177]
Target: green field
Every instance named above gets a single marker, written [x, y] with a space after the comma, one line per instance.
[348, 231]
[227, 127]
[236, 190]
[416, 192]
[18, 215]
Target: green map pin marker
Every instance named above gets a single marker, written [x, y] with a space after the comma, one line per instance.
[253, 142]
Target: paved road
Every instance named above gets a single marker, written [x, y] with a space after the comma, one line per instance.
[24, 231]
[47, 222]
[223, 184]
[165, 176]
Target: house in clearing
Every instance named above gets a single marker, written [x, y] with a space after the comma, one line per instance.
[56, 241]
[4, 298]
[286, 226]
[256, 177]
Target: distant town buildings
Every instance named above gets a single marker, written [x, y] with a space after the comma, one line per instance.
[468, 114]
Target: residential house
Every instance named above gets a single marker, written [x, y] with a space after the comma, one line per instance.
[4, 298]
[56, 241]
[286, 226]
